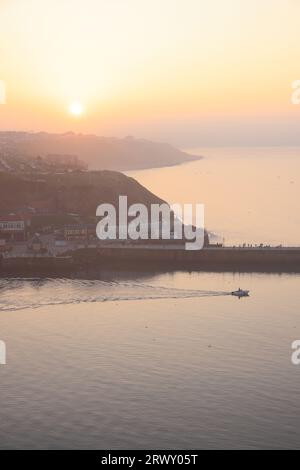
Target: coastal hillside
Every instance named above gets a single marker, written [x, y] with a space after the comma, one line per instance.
[73, 192]
[99, 153]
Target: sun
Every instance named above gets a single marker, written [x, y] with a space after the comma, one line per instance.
[76, 108]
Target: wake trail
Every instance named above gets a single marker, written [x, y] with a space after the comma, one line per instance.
[31, 293]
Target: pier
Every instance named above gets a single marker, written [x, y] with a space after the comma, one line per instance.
[149, 257]
[211, 258]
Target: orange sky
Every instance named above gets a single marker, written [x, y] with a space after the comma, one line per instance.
[187, 71]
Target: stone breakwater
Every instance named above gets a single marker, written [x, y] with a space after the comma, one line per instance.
[152, 258]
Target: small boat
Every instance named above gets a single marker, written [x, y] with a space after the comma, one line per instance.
[240, 293]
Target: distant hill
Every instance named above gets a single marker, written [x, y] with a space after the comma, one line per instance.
[70, 192]
[99, 153]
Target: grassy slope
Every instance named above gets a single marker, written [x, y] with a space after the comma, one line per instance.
[79, 193]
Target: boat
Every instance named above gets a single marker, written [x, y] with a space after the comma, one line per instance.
[240, 293]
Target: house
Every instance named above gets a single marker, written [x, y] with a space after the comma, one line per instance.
[79, 232]
[14, 227]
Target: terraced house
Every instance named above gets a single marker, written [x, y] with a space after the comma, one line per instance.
[14, 227]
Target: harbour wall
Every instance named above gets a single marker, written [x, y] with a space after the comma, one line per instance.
[238, 259]
[153, 258]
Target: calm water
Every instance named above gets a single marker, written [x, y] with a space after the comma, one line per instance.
[251, 195]
[99, 370]
[165, 360]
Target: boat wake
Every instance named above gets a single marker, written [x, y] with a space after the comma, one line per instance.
[24, 293]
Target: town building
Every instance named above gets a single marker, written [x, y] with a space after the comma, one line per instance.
[79, 232]
[14, 227]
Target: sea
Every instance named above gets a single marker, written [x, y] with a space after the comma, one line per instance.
[130, 359]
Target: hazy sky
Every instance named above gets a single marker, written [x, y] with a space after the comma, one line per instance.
[190, 72]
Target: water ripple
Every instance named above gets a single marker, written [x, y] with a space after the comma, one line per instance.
[23, 293]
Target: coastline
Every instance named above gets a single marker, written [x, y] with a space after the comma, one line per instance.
[191, 158]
